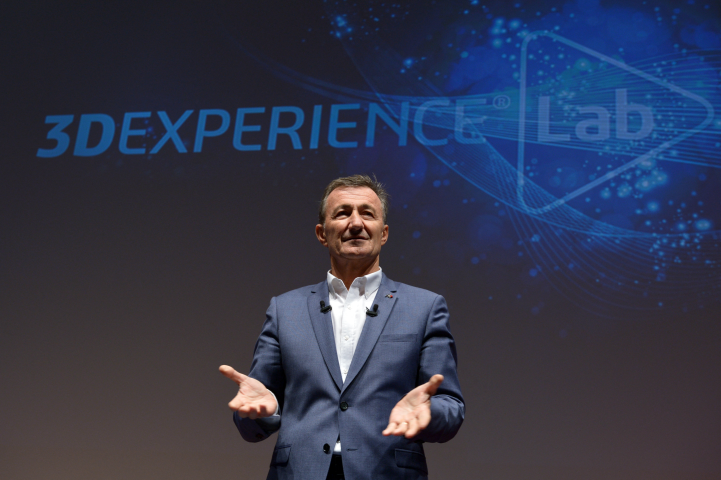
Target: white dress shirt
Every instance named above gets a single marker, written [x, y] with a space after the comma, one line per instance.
[349, 316]
[349, 313]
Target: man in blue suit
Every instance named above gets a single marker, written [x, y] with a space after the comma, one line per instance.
[357, 372]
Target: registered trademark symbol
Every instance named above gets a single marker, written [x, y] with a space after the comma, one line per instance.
[501, 101]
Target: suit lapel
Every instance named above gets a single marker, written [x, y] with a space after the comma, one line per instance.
[385, 299]
[323, 328]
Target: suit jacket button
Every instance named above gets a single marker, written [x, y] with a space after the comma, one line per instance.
[326, 448]
[343, 406]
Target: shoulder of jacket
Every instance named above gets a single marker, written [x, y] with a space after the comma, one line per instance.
[302, 292]
[410, 290]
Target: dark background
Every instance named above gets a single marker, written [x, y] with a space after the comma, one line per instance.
[126, 280]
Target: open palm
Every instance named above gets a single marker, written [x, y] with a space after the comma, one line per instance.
[413, 413]
[253, 399]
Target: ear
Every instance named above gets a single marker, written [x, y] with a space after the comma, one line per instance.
[320, 234]
[384, 235]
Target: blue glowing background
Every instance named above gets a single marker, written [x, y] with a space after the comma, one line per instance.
[554, 172]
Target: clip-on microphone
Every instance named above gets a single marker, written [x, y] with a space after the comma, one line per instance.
[324, 308]
[374, 312]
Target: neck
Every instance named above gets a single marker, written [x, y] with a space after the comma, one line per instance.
[349, 270]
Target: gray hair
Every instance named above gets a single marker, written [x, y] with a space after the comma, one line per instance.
[355, 181]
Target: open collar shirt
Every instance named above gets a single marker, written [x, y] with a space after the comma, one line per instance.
[349, 313]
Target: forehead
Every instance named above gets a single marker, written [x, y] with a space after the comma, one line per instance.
[352, 196]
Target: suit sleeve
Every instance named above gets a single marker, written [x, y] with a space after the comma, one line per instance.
[438, 355]
[267, 368]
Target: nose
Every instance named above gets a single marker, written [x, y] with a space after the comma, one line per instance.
[354, 221]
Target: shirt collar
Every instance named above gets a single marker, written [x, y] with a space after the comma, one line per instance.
[367, 284]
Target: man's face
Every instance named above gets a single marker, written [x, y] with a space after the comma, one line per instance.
[354, 227]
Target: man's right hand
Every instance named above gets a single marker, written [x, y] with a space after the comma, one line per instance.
[253, 399]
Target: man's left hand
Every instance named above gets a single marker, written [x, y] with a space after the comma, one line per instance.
[413, 413]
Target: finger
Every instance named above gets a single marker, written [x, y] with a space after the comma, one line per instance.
[412, 429]
[419, 423]
[238, 407]
[390, 428]
[401, 429]
[263, 411]
[237, 402]
[257, 411]
[247, 411]
[433, 384]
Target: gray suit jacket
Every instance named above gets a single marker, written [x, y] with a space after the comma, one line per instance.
[401, 348]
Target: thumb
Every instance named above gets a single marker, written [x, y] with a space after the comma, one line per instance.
[434, 383]
[231, 373]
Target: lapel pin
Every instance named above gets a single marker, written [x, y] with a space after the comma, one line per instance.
[389, 296]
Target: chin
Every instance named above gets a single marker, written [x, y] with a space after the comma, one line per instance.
[355, 254]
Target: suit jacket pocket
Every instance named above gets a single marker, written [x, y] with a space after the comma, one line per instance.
[281, 454]
[410, 459]
[398, 337]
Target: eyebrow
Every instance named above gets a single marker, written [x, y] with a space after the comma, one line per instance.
[366, 206]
